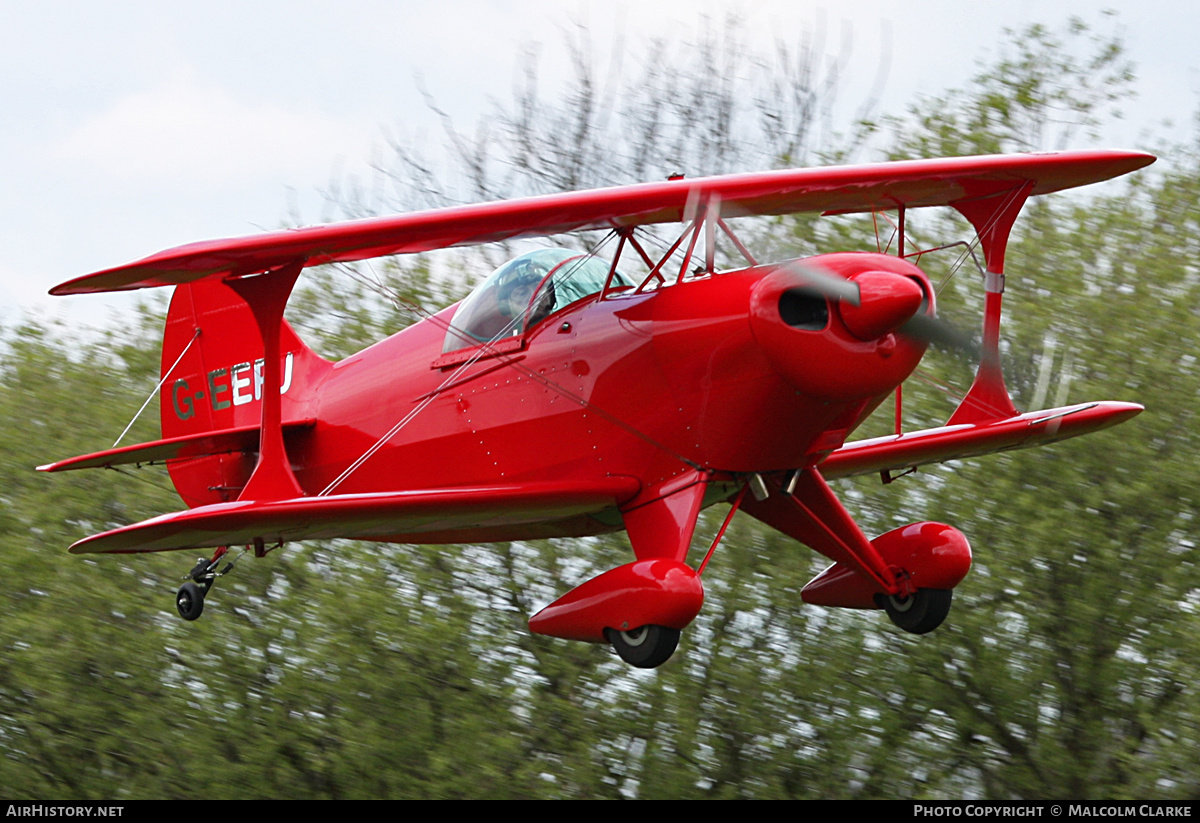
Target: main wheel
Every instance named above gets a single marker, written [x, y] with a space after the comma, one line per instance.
[920, 613]
[189, 600]
[646, 646]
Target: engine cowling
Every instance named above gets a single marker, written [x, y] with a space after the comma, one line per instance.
[831, 344]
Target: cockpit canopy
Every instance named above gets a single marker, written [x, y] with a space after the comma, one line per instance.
[523, 292]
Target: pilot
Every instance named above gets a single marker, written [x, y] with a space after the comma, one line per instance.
[543, 305]
[514, 295]
[505, 303]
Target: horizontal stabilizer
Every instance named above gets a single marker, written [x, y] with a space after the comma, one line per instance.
[426, 515]
[201, 444]
[898, 452]
[839, 189]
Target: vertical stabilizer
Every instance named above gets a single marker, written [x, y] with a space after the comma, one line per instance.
[212, 359]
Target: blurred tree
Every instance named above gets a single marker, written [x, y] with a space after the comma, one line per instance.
[707, 101]
[77, 680]
[1047, 91]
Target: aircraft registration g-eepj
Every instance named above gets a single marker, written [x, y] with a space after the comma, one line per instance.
[562, 398]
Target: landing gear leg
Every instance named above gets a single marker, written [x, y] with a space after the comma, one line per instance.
[189, 600]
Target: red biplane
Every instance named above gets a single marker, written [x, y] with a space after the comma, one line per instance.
[562, 398]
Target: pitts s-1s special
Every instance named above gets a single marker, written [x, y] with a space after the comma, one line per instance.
[566, 398]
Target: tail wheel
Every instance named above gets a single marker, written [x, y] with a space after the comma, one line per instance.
[645, 647]
[919, 613]
[189, 600]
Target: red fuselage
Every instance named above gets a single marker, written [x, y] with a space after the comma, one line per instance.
[704, 373]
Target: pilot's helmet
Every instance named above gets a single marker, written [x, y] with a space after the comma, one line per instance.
[526, 277]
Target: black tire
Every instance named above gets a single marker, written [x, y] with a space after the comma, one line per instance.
[189, 600]
[921, 613]
[645, 647]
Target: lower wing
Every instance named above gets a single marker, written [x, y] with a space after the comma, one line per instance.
[460, 514]
[899, 452]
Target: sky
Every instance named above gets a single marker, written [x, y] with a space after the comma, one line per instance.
[131, 127]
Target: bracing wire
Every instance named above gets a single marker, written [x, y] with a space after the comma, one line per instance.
[154, 392]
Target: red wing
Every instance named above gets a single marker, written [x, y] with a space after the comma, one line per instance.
[427, 515]
[903, 451]
[909, 183]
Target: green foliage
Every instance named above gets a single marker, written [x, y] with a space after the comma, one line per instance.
[342, 309]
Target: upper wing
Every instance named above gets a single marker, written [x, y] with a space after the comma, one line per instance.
[908, 183]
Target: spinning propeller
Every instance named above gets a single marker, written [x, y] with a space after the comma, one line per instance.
[877, 302]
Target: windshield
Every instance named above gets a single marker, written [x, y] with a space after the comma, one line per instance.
[523, 292]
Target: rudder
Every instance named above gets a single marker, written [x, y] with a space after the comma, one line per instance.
[212, 372]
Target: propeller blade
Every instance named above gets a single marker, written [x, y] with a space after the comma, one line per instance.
[939, 332]
[822, 282]
[921, 326]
